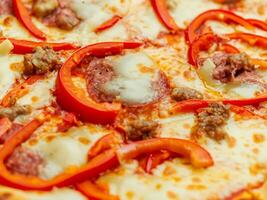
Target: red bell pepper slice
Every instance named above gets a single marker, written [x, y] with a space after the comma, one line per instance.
[156, 159]
[93, 191]
[217, 14]
[19, 90]
[93, 168]
[251, 39]
[204, 42]
[227, 48]
[104, 143]
[258, 23]
[24, 17]
[5, 125]
[26, 46]
[73, 99]
[108, 24]
[163, 14]
[198, 156]
[193, 105]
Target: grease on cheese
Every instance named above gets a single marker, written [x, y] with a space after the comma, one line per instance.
[227, 90]
[175, 179]
[58, 194]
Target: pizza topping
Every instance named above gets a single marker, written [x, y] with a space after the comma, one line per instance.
[210, 121]
[42, 8]
[226, 1]
[140, 129]
[14, 128]
[43, 60]
[6, 7]
[184, 93]
[24, 161]
[66, 19]
[63, 16]
[13, 112]
[231, 66]
[98, 72]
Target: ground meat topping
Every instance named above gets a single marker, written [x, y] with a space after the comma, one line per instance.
[184, 93]
[24, 161]
[42, 8]
[43, 60]
[63, 16]
[230, 66]
[140, 130]
[13, 112]
[210, 121]
[98, 72]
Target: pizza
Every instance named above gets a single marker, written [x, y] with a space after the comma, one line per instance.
[133, 100]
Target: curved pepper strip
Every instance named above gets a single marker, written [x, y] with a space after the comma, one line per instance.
[258, 23]
[26, 46]
[227, 48]
[108, 24]
[19, 90]
[93, 168]
[249, 38]
[204, 42]
[193, 105]
[198, 156]
[156, 159]
[104, 143]
[74, 99]
[24, 17]
[191, 32]
[91, 190]
[163, 14]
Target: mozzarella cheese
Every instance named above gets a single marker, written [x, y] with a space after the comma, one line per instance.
[59, 194]
[40, 93]
[61, 151]
[245, 157]
[135, 73]
[8, 75]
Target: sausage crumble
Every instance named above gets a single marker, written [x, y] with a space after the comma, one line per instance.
[12, 112]
[210, 121]
[184, 93]
[43, 60]
[231, 66]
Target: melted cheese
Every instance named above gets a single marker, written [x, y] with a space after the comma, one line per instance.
[228, 90]
[246, 159]
[7, 75]
[135, 73]
[61, 151]
[40, 93]
[58, 194]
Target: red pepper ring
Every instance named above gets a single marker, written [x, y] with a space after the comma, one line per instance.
[217, 14]
[249, 38]
[163, 14]
[108, 24]
[258, 23]
[91, 190]
[26, 46]
[93, 168]
[198, 156]
[74, 99]
[204, 42]
[24, 17]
